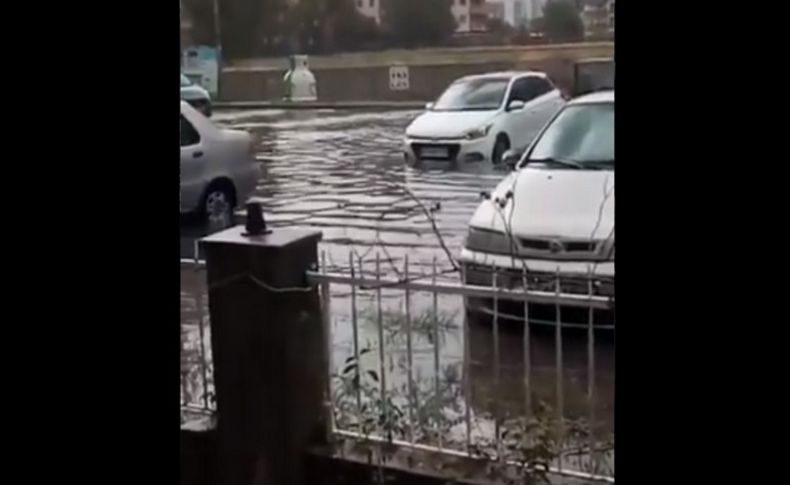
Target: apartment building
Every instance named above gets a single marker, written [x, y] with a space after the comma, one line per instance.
[461, 9]
[598, 18]
[479, 13]
[522, 12]
[370, 9]
[186, 26]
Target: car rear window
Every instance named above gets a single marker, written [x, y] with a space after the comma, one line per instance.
[189, 135]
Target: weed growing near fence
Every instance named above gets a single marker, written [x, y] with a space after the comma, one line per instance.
[527, 447]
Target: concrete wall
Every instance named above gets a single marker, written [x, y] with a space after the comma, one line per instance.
[366, 77]
[198, 453]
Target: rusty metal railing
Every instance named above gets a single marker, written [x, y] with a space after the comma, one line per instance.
[361, 280]
[356, 278]
[197, 385]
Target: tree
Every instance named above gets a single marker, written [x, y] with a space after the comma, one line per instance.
[201, 13]
[496, 25]
[412, 23]
[253, 27]
[325, 26]
[249, 27]
[537, 25]
[562, 21]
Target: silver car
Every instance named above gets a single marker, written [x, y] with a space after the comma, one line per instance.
[195, 95]
[552, 217]
[218, 167]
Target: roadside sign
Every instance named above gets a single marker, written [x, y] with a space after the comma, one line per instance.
[399, 78]
[201, 65]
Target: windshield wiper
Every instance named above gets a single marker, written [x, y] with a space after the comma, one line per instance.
[605, 163]
[557, 161]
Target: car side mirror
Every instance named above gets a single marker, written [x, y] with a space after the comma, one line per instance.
[511, 158]
[428, 106]
[515, 105]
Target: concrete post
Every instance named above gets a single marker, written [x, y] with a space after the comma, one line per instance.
[269, 354]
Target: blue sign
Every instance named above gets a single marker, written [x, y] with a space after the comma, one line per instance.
[201, 65]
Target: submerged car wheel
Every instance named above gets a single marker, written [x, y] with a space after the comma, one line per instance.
[218, 203]
[502, 145]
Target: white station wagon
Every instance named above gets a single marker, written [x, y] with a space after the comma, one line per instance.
[552, 217]
[480, 117]
[218, 167]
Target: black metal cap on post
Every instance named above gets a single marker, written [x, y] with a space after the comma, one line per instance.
[256, 224]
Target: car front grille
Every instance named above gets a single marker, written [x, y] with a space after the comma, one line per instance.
[540, 281]
[586, 249]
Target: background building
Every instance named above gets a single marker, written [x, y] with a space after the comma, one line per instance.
[521, 12]
[479, 13]
[598, 18]
[495, 9]
[461, 11]
[186, 26]
[370, 9]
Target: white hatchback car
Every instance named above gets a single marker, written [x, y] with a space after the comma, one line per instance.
[218, 167]
[553, 216]
[480, 117]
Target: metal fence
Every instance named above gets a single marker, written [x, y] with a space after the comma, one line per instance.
[437, 417]
[197, 389]
[371, 398]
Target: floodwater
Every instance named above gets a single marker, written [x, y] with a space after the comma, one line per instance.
[343, 173]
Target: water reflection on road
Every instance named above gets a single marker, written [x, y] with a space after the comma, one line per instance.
[342, 173]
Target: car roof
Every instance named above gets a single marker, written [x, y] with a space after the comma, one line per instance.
[504, 74]
[606, 96]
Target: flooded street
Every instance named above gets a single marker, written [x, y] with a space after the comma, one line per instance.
[343, 173]
[340, 172]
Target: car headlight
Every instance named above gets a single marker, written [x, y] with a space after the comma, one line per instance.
[478, 132]
[489, 241]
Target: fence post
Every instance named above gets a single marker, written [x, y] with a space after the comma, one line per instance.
[268, 353]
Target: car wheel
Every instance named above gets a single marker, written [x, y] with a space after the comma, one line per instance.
[207, 110]
[500, 147]
[217, 207]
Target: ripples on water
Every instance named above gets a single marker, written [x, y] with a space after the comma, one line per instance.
[340, 172]
[337, 172]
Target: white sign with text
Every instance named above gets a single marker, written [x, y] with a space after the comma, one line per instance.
[399, 78]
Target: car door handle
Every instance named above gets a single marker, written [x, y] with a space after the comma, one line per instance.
[197, 154]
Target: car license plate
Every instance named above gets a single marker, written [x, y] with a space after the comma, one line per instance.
[434, 152]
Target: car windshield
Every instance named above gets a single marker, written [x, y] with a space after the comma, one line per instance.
[185, 81]
[581, 135]
[473, 94]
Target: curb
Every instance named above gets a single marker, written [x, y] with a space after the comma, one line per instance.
[319, 105]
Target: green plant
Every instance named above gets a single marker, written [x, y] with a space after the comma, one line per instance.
[423, 324]
[562, 21]
[413, 23]
[322, 26]
[528, 445]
